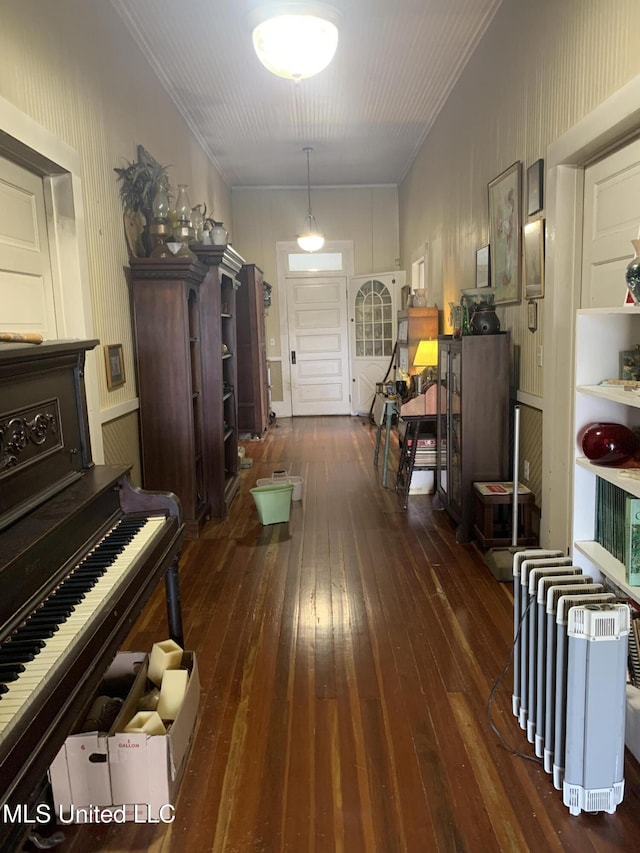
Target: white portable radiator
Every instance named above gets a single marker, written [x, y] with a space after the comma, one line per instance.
[596, 702]
[547, 588]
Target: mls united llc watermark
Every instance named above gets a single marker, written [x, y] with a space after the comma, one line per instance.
[43, 813]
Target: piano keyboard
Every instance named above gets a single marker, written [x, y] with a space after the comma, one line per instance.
[34, 650]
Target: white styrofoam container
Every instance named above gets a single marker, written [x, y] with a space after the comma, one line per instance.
[283, 477]
[422, 483]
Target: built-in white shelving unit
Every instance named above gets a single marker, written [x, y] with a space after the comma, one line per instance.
[601, 334]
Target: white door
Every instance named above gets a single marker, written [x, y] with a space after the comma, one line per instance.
[318, 344]
[372, 327]
[611, 221]
[26, 289]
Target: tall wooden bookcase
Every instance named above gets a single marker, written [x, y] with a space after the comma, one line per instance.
[221, 372]
[253, 404]
[185, 339]
[473, 380]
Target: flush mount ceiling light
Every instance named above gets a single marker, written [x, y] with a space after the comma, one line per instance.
[311, 239]
[294, 39]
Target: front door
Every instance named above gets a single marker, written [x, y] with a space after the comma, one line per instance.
[319, 349]
[372, 326]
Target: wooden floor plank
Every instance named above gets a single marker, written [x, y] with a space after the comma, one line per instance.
[346, 660]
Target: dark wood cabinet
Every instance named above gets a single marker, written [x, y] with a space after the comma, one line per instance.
[473, 379]
[253, 404]
[185, 339]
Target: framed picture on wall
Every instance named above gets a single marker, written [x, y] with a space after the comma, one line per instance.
[533, 251]
[114, 363]
[482, 267]
[535, 180]
[505, 224]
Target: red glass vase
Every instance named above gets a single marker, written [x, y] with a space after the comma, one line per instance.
[609, 443]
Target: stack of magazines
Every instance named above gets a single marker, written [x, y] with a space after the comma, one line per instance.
[427, 450]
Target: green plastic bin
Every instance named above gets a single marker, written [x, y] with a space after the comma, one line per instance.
[273, 502]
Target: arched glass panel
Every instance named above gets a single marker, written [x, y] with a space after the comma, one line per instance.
[373, 320]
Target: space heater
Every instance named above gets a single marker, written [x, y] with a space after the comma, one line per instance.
[596, 702]
[559, 686]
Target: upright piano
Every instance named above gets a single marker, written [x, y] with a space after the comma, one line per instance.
[81, 551]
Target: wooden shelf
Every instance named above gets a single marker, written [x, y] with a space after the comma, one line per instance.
[611, 393]
[611, 568]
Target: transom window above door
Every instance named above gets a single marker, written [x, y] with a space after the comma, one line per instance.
[373, 320]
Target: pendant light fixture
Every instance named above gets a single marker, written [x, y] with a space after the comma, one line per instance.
[293, 38]
[311, 239]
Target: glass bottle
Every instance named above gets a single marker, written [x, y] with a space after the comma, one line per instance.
[183, 206]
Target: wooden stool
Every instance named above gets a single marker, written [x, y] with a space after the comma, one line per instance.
[494, 514]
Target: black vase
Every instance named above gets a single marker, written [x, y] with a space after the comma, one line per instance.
[485, 320]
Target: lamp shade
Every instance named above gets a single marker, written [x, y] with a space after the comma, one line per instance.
[298, 41]
[426, 354]
[311, 239]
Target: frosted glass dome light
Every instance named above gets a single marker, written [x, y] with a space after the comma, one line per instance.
[296, 46]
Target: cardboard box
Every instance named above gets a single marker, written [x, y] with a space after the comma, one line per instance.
[79, 774]
[119, 777]
[146, 769]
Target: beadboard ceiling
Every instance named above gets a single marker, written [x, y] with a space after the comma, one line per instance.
[366, 115]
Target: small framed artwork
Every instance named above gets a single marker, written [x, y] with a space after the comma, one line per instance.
[535, 180]
[532, 315]
[533, 251]
[505, 226]
[482, 267]
[114, 363]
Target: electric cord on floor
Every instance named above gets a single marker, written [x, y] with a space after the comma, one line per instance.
[497, 683]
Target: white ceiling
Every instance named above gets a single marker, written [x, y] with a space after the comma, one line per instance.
[366, 115]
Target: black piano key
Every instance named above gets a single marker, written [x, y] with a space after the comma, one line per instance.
[7, 656]
[9, 676]
[33, 632]
[9, 669]
[3, 689]
[18, 643]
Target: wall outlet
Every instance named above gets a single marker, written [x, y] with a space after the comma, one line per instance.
[539, 356]
[272, 342]
[525, 469]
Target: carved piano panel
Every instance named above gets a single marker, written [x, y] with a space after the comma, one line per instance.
[44, 435]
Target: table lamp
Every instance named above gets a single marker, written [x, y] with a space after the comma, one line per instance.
[426, 357]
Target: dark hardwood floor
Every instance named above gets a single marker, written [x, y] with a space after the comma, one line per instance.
[346, 661]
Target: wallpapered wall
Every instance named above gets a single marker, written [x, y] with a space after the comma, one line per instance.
[72, 67]
[538, 70]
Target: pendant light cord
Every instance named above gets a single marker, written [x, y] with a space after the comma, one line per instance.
[309, 214]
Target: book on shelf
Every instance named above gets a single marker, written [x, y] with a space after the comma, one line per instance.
[632, 541]
[610, 518]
